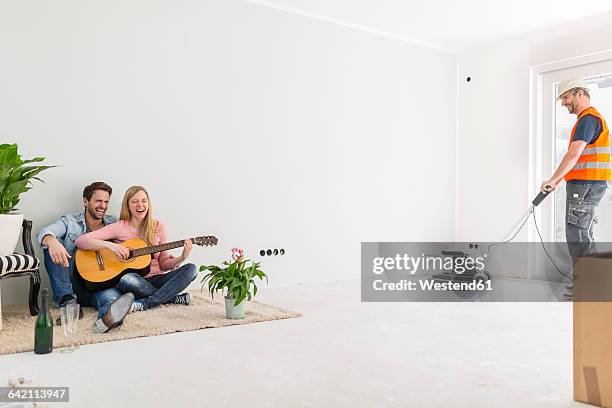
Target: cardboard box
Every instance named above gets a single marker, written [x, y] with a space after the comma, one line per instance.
[593, 330]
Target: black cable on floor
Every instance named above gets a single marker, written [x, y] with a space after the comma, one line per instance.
[544, 247]
[532, 212]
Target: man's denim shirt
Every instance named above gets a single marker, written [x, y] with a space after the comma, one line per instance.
[68, 228]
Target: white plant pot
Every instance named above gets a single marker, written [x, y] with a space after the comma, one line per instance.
[0, 305]
[10, 230]
[232, 311]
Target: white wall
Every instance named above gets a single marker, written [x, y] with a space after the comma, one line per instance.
[264, 128]
[493, 122]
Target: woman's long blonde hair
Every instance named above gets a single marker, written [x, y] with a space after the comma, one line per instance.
[148, 227]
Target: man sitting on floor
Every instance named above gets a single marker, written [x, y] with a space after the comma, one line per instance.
[58, 243]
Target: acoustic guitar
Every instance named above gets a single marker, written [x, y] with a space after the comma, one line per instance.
[102, 268]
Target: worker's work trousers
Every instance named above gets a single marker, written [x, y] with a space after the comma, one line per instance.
[581, 200]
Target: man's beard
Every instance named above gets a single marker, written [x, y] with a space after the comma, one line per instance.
[94, 214]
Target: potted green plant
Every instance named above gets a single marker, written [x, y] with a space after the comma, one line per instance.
[16, 175]
[236, 279]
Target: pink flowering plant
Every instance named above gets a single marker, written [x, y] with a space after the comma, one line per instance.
[235, 278]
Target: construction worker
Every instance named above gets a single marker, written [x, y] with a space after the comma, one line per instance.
[586, 166]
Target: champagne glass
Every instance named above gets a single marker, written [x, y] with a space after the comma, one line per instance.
[69, 315]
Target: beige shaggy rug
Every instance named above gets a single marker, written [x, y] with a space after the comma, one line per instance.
[17, 334]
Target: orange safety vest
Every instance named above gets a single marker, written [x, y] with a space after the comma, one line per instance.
[594, 162]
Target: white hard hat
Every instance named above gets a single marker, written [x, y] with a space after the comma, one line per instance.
[570, 84]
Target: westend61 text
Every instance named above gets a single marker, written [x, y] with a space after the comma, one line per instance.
[429, 285]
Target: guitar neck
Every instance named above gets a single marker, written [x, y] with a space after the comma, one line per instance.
[159, 248]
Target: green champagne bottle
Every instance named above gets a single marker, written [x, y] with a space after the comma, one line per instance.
[43, 330]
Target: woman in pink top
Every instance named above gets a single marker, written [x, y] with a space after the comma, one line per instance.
[166, 279]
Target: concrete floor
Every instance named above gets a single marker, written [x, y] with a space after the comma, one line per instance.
[342, 353]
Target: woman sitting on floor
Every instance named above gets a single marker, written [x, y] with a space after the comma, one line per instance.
[166, 280]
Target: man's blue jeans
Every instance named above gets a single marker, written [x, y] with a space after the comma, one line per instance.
[581, 200]
[64, 282]
[102, 299]
[158, 289]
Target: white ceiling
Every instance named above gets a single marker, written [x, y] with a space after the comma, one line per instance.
[446, 24]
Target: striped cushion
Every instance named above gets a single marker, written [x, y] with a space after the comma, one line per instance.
[17, 263]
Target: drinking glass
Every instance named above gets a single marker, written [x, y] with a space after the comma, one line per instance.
[69, 315]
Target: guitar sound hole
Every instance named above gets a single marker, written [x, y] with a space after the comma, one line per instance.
[128, 260]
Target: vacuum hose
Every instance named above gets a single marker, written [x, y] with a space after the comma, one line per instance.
[530, 211]
[521, 222]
